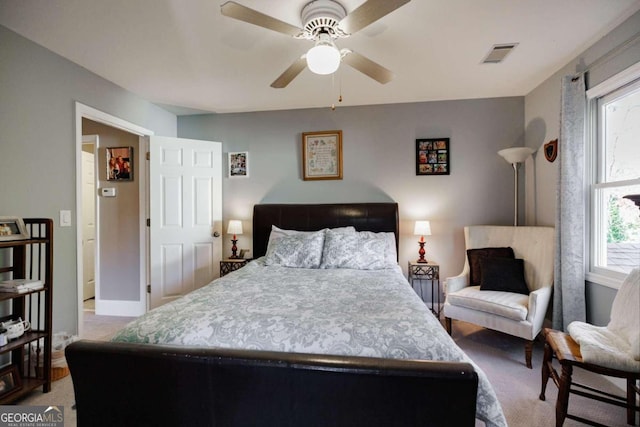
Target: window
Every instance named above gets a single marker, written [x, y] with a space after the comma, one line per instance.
[615, 176]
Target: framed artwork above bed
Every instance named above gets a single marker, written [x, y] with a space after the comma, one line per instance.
[322, 155]
[433, 156]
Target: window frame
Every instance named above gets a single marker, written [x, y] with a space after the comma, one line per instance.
[625, 80]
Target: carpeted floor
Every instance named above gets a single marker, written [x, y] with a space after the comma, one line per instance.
[499, 355]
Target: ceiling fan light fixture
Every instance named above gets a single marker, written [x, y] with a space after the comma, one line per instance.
[324, 57]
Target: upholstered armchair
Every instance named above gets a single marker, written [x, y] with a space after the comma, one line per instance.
[488, 300]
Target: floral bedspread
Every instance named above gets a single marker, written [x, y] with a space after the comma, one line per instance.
[372, 313]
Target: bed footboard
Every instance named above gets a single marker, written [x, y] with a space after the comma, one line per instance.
[139, 384]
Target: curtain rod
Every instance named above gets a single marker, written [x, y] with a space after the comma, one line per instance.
[631, 40]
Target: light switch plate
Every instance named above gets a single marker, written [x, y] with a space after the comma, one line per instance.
[65, 218]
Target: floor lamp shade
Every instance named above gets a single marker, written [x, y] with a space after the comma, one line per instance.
[515, 156]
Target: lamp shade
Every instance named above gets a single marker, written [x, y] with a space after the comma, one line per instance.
[235, 227]
[422, 228]
[516, 154]
[324, 57]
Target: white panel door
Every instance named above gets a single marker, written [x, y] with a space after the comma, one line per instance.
[88, 226]
[185, 187]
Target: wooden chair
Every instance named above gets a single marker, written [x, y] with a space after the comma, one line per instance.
[567, 351]
[612, 350]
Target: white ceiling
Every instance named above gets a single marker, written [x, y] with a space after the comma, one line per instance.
[184, 53]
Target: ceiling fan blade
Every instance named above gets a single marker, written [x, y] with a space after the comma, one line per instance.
[290, 73]
[369, 12]
[366, 66]
[243, 13]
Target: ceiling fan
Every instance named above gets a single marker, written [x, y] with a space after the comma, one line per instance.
[324, 21]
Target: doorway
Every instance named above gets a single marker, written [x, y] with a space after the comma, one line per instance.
[131, 260]
[89, 261]
[132, 271]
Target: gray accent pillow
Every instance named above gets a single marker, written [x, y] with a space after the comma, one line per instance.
[390, 253]
[302, 250]
[277, 232]
[360, 251]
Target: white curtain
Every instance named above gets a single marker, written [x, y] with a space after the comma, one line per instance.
[569, 287]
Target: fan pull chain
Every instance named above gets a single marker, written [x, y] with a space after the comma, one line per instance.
[333, 106]
[333, 86]
[340, 87]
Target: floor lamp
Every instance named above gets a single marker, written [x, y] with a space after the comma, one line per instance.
[515, 156]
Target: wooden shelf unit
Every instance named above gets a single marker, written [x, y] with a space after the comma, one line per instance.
[29, 259]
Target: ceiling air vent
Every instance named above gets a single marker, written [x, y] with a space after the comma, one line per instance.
[498, 53]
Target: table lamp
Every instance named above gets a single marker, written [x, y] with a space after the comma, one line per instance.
[235, 227]
[422, 228]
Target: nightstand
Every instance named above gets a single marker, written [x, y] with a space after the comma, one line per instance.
[419, 271]
[229, 265]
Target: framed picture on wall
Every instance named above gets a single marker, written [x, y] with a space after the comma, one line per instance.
[120, 164]
[239, 164]
[433, 156]
[322, 155]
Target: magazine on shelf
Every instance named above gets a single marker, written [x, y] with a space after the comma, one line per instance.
[21, 285]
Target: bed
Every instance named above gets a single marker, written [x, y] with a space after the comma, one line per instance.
[332, 329]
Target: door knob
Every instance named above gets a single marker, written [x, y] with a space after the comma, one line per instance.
[216, 234]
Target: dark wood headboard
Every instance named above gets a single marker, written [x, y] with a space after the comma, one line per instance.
[377, 217]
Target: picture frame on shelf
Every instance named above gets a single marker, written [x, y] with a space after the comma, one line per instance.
[119, 163]
[238, 164]
[433, 156]
[322, 155]
[10, 380]
[12, 228]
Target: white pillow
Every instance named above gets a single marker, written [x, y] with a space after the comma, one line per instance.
[300, 250]
[361, 251]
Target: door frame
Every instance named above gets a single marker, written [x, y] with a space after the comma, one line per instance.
[118, 308]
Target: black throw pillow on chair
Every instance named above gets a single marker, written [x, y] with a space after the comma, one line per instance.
[476, 255]
[503, 274]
